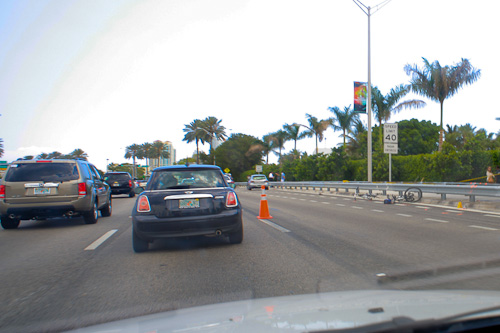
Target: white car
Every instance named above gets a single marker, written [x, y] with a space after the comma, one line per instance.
[256, 181]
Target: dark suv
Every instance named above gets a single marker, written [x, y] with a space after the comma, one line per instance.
[40, 189]
[121, 183]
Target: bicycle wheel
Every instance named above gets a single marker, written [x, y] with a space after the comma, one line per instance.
[413, 194]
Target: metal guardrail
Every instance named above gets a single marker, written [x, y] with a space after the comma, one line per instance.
[470, 190]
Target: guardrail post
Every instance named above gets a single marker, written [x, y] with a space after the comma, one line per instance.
[400, 193]
[443, 196]
[384, 192]
[337, 189]
[346, 190]
[472, 198]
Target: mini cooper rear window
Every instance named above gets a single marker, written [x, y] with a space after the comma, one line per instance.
[46, 172]
[164, 180]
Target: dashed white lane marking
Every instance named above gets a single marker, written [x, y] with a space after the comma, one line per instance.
[341, 205]
[356, 207]
[324, 202]
[481, 227]
[275, 226]
[377, 210]
[312, 201]
[100, 240]
[405, 215]
[436, 220]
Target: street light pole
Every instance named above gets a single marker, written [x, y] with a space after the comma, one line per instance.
[367, 11]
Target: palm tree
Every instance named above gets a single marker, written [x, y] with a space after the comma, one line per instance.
[316, 128]
[214, 130]
[146, 149]
[342, 120]
[1, 148]
[195, 132]
[158, 151]
[280, 137]
[54, 155]
[269, 142]
[293, 132]
[78, 153]
[357, 139]
[43, 156]
[439, 83]
[384, 106]
[133, 151]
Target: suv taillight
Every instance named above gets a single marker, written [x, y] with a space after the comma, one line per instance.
[130, 183]
[231, 200]
[2, 191]
[82, 189]
[143, 204]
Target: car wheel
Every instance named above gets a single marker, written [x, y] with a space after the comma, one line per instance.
[91, 216]
[131, 194]
[236, 237]
[106, 211]
[139, 244]
[249, 188]
[8, 223]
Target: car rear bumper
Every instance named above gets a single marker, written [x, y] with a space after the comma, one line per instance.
[26, 211]
[121, 190]
[149, 227]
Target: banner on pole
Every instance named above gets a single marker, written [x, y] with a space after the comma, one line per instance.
[360, 97]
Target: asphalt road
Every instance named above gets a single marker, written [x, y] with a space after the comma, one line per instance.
[60, 274]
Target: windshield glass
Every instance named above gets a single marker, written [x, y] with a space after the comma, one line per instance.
[47, 172]
[117, 177]
[164, 180]
[360, 141]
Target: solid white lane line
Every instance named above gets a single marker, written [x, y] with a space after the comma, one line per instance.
[490, 215]
[275, 226]
[422, 207]
[434, 220]
[481, 227]
[405, 215]
[377, 210]
[100, 240]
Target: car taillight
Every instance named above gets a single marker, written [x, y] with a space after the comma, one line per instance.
[231, 200]
[130, 183]
[2, 191]
[143, 204]
[82, 189]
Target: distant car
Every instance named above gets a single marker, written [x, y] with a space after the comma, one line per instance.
[256, 181]
[229, 180]
[181, 201]
[40, 189]
[121, 183]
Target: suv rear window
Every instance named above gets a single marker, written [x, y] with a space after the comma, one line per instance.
[259, 178]
[47, 172]
[117, 176]
[163, 180]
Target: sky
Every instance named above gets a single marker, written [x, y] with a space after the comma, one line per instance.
[101, 75]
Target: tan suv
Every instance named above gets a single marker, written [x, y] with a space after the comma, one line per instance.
[40, 189]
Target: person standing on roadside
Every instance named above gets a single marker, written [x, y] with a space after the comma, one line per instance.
[282, 176]
[490, 177]
[271, 177]
[497, 173]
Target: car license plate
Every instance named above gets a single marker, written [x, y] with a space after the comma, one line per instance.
[42, 190]
[189, 203]
[116, 184]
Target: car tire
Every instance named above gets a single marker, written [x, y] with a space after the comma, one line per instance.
[249, 188]
[91, 216]
[131, 194]
[139, 244]
[8, 223]
[236, 237]
[106, 211]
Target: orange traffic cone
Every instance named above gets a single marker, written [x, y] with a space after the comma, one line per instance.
[264, 209]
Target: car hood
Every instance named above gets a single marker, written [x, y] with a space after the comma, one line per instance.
[313, 312]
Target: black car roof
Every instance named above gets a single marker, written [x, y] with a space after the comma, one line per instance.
[187, 167]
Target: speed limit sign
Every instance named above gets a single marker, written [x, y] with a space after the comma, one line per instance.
[391, 133]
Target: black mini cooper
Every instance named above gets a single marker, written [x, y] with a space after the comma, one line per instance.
[188, 200]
